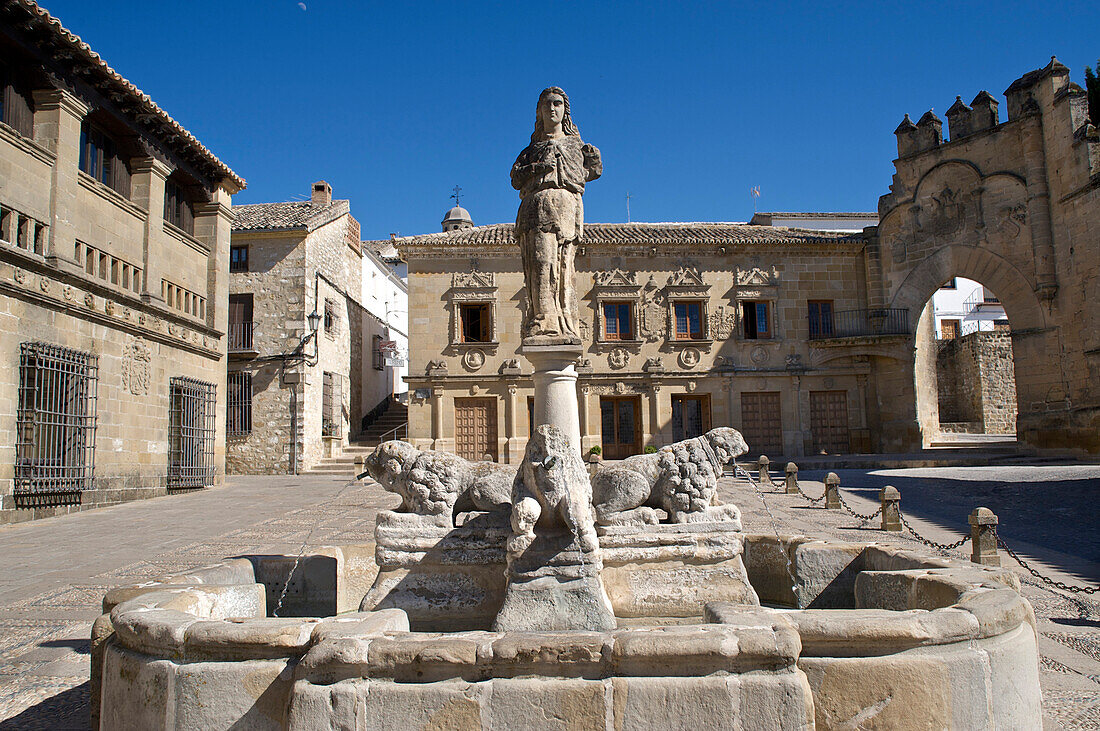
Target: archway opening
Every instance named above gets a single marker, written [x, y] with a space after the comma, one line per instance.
[965, 373]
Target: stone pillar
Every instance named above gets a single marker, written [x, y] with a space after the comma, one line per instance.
[584, 411]
[147, 178]
[1038, 207]
[983, 537]
[765, 476]
[57, 119]
[655, 414]
[791, 484]
[213, 227]
[832, 491]
[555, 380]
[510, 424]
[891, 508]
[437, 416]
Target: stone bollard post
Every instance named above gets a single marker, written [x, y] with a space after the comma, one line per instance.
[832, 491]
[983, 537]
[765, 477]
[891, 508]
[792, 479]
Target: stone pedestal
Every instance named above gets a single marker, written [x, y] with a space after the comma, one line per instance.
[555, 585]
[555, 380]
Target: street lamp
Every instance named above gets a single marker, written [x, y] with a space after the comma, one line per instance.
[314, 321]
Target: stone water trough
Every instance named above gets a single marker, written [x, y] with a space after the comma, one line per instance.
[850, 635]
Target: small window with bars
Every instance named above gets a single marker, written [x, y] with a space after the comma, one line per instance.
[190, 432]
[178, 209]
[238, 420]
[238, 258]
[56, 419]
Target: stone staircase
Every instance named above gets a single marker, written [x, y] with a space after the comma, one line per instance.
[349, 462]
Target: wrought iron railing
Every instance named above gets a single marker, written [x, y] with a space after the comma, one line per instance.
[190, 432]
[858, 323]
[238, 414]
[240, 336]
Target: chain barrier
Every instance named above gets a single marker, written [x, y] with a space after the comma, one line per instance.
[853, 513]
[740, 471]
[813, 500]
[930, 542]
[1046, 579]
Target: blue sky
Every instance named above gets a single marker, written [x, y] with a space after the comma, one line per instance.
[691, 104]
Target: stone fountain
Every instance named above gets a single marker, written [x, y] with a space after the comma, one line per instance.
[535, 596]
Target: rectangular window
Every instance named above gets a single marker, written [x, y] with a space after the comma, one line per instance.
[238, 258]
[15, 105]
[190, 432]
[476, 322]
[755, 316]
[240, 322]
[177, 207]
[618, 321]
[821, 318]
[56, 419]
[689, 320]
[99, 157]
[238, 417]
[332, 405]
[376, 353]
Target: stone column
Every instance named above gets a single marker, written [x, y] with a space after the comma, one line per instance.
[437, 416]
[1038, 207]
[555, 380]
[654, 413]
[510, 427]
[57, 119]
[983, 537]
[585, 421]
[147, 178]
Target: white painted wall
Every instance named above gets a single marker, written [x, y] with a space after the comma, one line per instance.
[961, 303]
[386, 296]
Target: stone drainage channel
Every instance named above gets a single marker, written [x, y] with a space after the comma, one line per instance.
[864, 632]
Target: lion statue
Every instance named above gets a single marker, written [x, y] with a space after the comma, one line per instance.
[681, 479]
[552, 490]
[440, 484]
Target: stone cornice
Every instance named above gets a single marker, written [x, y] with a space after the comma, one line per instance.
[453, 250]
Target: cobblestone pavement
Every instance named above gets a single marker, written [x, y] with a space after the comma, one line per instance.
[57, 570]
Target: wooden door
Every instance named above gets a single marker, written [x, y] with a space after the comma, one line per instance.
[829, 421]
[476, 428]
[621, 426]
[690, 416]
[762, 423]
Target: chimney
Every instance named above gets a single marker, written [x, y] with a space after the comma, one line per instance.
[959, 119]
[322, 194]
[985, 111]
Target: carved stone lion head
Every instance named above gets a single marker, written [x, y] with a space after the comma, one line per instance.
[728, 443]
[390, 463]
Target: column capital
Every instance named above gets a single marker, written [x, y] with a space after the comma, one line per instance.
[46, 100]
[141, 165]
[214, 208]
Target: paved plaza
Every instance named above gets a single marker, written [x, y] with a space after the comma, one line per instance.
[58, 569]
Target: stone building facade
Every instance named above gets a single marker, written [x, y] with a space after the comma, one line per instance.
[1013, 206]
[685, 326]
[976, 384]
[805, 341]
[298, 394]
[114, 248]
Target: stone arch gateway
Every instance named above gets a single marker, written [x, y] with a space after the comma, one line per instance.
[1012, 205]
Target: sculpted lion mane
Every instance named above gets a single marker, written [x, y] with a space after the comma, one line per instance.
[681, 479]
[440, 483]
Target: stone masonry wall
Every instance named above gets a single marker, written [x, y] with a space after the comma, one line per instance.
[977, 384]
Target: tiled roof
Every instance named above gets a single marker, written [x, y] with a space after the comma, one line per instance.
[384, 249]
[646, 234]
[109, 82]
[288, 215]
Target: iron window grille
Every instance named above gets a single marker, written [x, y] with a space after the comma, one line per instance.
[56, 420]
[190, 432]
[238, 421]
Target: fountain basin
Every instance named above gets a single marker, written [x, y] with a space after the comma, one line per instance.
[865, 632]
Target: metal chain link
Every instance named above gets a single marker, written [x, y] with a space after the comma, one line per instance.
[861, 516]
[813, 500]
[929, 542]
[1056, 584]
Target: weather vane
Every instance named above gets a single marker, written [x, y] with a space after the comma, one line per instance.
[457, 191]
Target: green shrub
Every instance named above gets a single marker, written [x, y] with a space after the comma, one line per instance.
[650, 449]
[596, 450]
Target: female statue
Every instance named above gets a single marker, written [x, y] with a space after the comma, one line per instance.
[550, 175]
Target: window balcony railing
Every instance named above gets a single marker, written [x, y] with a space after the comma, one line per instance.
[240, 337]
[861, 323]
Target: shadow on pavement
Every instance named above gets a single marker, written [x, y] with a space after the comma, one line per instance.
[66, 710]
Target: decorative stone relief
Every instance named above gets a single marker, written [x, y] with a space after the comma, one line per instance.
[794, 360]
[829, 382]
[690, 357]
[89, 300]
[620, 387]
[20, 275]
[584, 365]
[759, 355]
[44, 284]
[68, 292]
[1013, 219]
[618, 358]
[654, 316]
[473, 359]
[654, 365]
[510, 367]
[725, 362]
[691, 386]
[585, 329]
[135, 367]
[615, 278]
[757, 277]
[946, 216]
[473, 279]
[723, 321]
[109, 307]
[436, 368]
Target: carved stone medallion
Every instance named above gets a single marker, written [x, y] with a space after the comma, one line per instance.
[89, 300]
[20, 275]
[829, 383]
[44, 284]
[473, 359]
[618, 358]
[690, 357]
[135, 367]
[759, 355]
